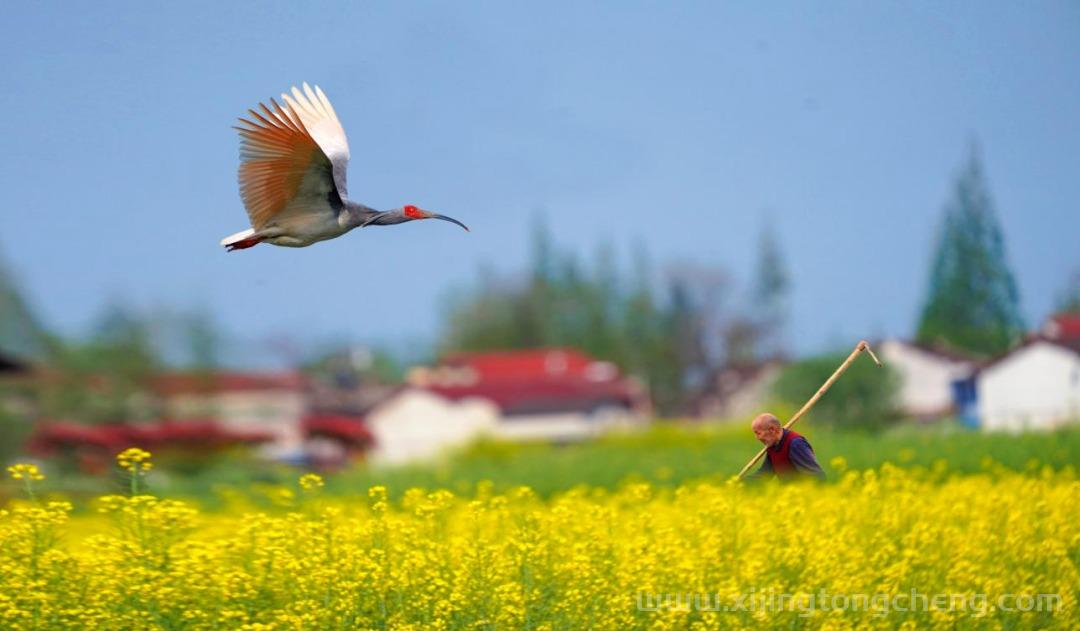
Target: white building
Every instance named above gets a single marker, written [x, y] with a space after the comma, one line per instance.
[419, 424]
[1034, 386]
[926, 376]
[273, 403]
[416, 425]
[556, 395]
[738, 391]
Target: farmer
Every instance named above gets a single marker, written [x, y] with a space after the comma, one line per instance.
[787, 454]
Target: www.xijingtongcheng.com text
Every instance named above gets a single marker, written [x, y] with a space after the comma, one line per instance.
[879, 604]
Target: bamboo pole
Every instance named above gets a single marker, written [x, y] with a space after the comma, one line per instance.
[860, 347]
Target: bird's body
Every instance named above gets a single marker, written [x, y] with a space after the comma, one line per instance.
[293, 161]
[303, 229]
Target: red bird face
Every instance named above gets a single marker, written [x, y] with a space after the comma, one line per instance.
[412, 212]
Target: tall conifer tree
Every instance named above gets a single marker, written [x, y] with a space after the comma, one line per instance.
[972, 302]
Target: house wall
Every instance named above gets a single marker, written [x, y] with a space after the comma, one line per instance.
[416, 424]
[926, 378]
[1037, 387]
[752, 397]
[279, 412]
[565, 427]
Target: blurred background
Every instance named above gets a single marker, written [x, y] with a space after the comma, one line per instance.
[681, 216]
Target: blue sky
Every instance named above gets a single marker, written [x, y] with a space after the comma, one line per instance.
[679, 125]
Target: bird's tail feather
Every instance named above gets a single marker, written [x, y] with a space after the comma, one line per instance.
[241, 240]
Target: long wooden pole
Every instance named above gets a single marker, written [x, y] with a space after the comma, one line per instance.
[860, 347]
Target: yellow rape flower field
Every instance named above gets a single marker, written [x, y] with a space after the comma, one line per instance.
[882, 548]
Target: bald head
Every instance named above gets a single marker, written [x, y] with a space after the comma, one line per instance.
[767, 429]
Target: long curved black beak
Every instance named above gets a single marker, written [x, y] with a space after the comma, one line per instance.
[450, 219]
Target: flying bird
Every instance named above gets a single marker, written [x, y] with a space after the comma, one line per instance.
[293, 159]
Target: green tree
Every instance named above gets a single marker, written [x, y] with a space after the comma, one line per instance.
[742, 341]
[664, 342]
[864, 398]
[106, 378]
[645, 346]
[483, 317]
[24, 341]
[769, 298]
[203, 339]
[21, 333]
[348, 366]
[972, 303]
[694, 317]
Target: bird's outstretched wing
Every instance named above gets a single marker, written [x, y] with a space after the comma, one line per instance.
[292, 158]
[323, 126]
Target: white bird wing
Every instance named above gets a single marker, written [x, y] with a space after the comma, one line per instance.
[284, 168]
[322, 124]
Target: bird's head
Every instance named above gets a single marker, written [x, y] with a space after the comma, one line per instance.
[412, 212]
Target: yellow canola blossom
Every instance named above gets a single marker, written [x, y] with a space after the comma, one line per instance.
[25, 472]
[134, 460]
[311, 482]
[860, 553]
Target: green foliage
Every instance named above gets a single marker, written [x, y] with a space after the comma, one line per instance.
[599, 310]
[666, 454]
[14, 423]
[972, 303]
[105, 378]
[863, 398]
[349, 367]
[203, 339]
[22, 341]
[669, 454]
[672, 332]
[769, 294]
[21, 333]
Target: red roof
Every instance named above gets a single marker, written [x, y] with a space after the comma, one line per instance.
[550, 396]
[1064, 327]
[192, 383]
[524, 364]
[350, 429]
[49, 436]
[537, 381]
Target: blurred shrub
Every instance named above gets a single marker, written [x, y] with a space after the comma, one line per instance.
[863, 398]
